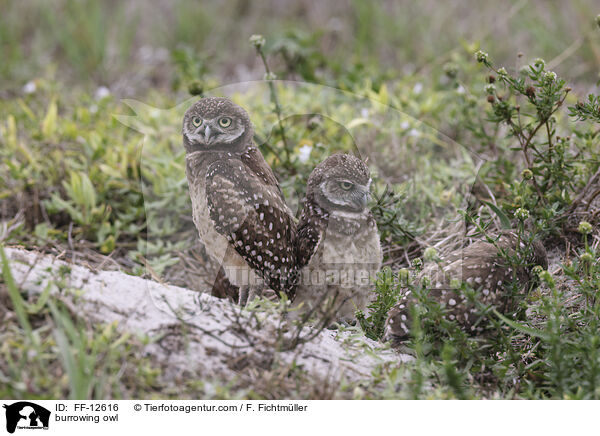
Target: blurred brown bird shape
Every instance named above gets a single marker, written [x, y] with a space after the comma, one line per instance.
[485, 267]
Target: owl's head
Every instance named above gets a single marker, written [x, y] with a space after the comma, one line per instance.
[340, 183]
[216, 124]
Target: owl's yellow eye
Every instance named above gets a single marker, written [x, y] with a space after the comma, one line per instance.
[346, 186]
[197, 121]
[225, 122]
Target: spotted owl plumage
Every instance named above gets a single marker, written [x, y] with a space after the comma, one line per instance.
[484, 266]
[337, 249]
[237, 205]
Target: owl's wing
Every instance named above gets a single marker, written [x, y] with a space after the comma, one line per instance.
[254, 160]
[311, 228]
[253, 217]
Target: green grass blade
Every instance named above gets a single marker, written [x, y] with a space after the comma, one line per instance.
[501, 215]
[523, 329]
[15, 296]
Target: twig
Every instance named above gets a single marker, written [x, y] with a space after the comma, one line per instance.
[275, 101]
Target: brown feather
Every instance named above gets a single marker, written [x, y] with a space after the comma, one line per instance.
[254, 219]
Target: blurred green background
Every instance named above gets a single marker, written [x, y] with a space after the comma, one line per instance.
[132, 46]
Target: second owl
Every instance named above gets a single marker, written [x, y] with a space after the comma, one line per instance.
[338, 250]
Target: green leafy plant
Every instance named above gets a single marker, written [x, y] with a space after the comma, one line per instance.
[387, 292]
[527, 104]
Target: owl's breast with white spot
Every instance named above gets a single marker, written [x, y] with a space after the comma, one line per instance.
[236, 268]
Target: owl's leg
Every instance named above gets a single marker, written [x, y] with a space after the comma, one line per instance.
[264, 292]
[223, 288]
[243, 295]
[254, 291]
[250, 292]
[270, 295]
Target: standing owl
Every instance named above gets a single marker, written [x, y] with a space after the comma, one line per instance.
[338, 249]
[484, 266]
[237, 205]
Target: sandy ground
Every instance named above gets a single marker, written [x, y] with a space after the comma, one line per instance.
[198, 333]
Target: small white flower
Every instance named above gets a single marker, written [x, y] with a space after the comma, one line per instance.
[418, 88]
[550, 76]
[460, 89]
[364, 112]
[521, 214]
[414, 133]
[481, 56]
[93, 108]
[29, 87]
[404, 125]
[102, 92]
[257, 41]
[304, 153]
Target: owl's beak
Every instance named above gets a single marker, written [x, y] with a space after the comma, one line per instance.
[207, 133]
[361, 202]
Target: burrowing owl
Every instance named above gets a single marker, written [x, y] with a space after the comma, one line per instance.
[237, 205]
[338, 248]
[485, 267]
